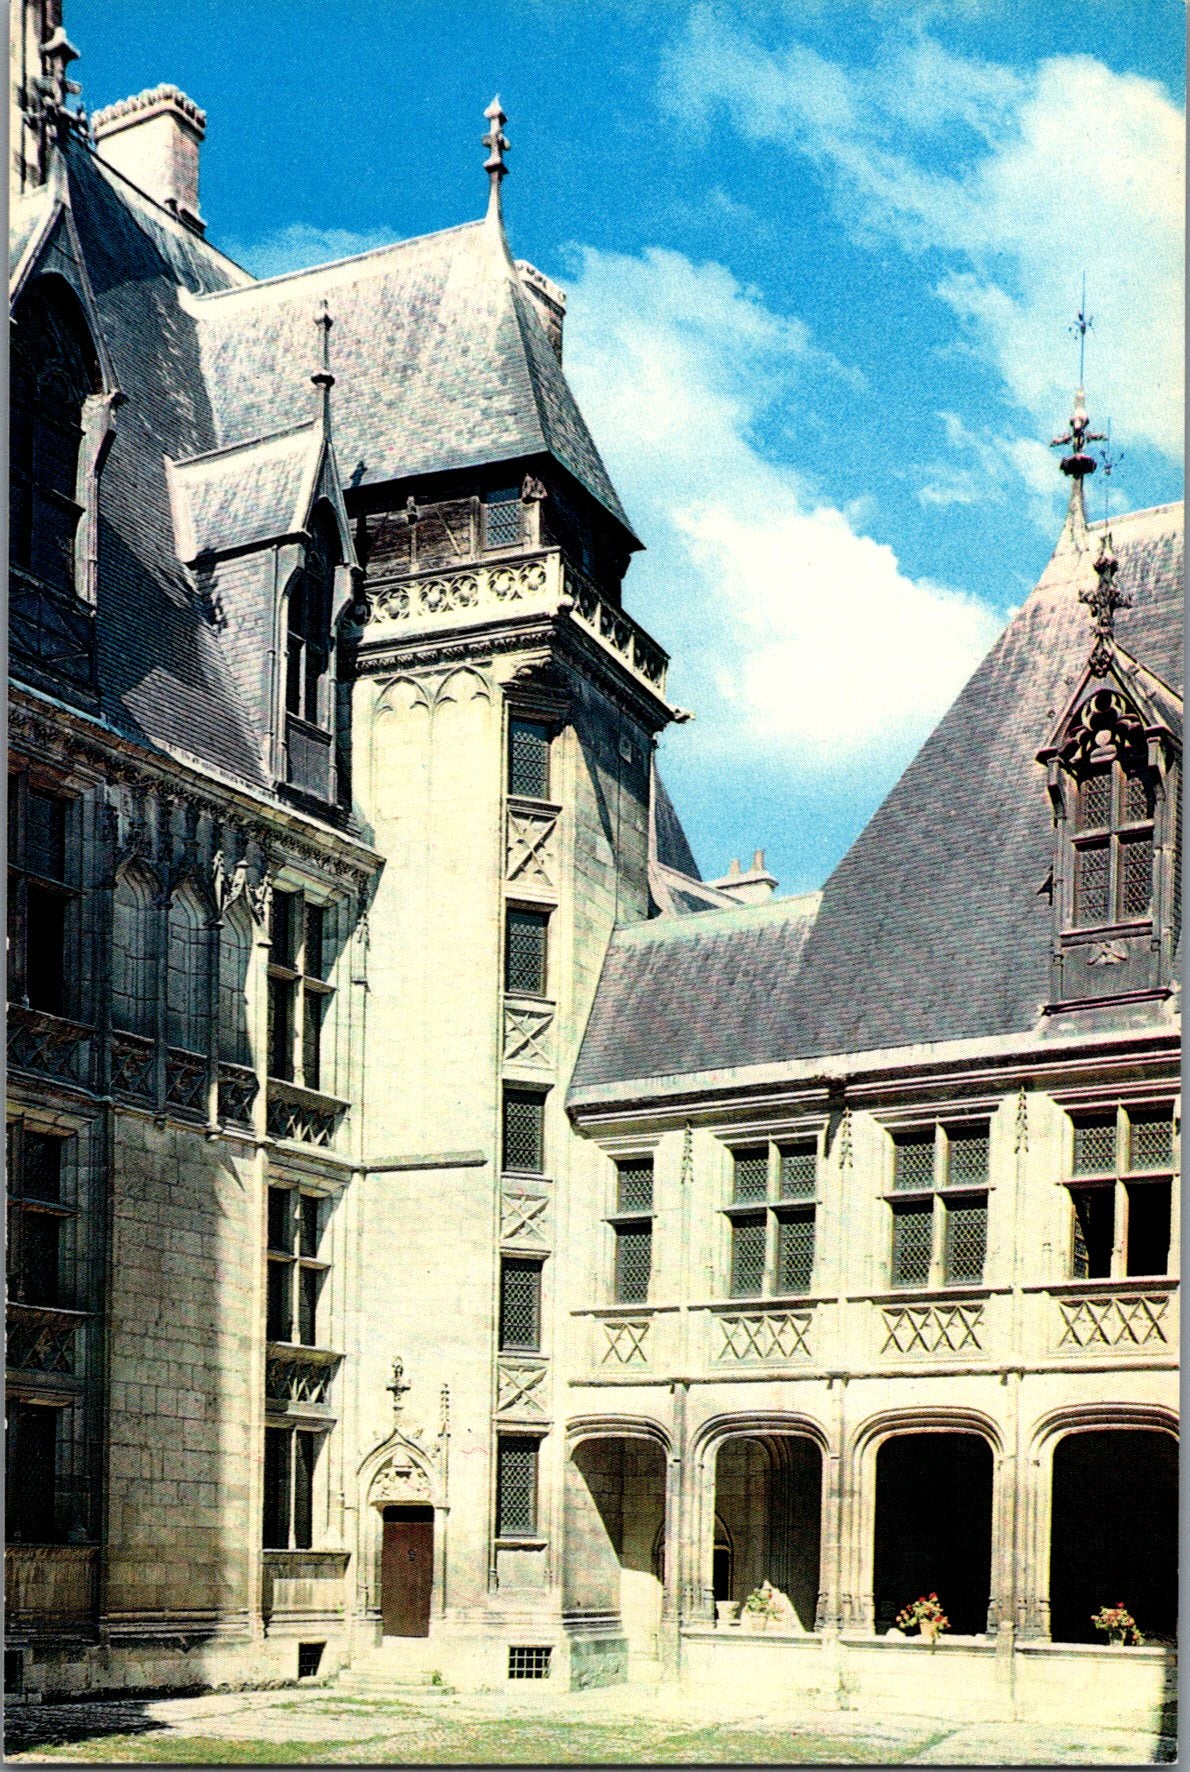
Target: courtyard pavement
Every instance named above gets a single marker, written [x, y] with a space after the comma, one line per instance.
[626, 1725]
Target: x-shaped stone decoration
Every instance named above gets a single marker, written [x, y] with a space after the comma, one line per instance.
[518, 1390]
[626, 1343]
[523, 1218]
[527, 1035]
[530, 849]
[769, 1336]
[1112, 1322]
[933, 1328]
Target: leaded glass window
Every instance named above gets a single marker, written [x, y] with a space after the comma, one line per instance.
[525, 951]
[913, 1231]
[634, 1185]
[799, 1170]
[913, 1160]
[520, 1305]
[43, 904]
[290, 1462]
[750, 1174]
[795, 1252]
[516, 1487]
[1152, 1141]
[528, 759]
[524, 1131]
[632, 1227]
[502, 518]
[748, 1249]
[967, 1156]
[1121, 1224]
[41, 1217]
[295, 1270]
[1095, 1147]
[1113, 846]
[966, 1241]
[299, 994]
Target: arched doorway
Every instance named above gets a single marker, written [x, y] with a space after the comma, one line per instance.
[1114, 1532]
[768, 1513]
[933, 1527]
[615, 1530]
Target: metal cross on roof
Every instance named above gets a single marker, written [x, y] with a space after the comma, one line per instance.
[496, 142]
[1103, 599]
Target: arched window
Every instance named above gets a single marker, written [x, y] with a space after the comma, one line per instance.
[186, 973]
[235, 953]
[308, 687]
[54, 369]
[133, 992]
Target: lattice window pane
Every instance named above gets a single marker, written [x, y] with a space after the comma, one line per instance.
[516, 1487]
[1091, 904]
[1094, 801]
[524, 1128]
[634, 1185]
[1136, 876]
[967, 1156]
[795, 1263]
[1138, 799]
[748, 1239]
[966, 1242]
[799, 1170]
[502, 520]
[1095, 1147]
[912, 1240]
[913, 1165]
[520, 1305]
[751, 1174]
[528, 759]
[1152, 1141]
[524, 952]
[634, 1263]
[1093, 1232]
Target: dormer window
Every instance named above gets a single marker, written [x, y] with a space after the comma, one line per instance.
[308, 687]
[54, 370]
[1113, 846]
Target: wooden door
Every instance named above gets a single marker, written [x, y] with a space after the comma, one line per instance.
[407, 1571]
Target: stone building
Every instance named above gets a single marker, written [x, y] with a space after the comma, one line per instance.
[444, 1231]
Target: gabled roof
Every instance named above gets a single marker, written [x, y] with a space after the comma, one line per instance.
[439, 359]
[936, 925]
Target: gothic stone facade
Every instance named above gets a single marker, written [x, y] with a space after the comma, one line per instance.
[444, 1231]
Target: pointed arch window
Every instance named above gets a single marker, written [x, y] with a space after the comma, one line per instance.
[54, 370]
[186, 982]
[134, 996]
[309, 688]
[235, 956]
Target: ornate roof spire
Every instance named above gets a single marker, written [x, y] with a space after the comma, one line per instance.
[1104, 599]
[496, 142]
[322, 377]
[1080, 462]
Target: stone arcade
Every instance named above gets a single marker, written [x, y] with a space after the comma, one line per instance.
[445, 1231]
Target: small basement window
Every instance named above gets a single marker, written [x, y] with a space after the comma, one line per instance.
[529, 1662]
[309, 1659]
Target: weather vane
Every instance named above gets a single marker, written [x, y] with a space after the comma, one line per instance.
[1082, 325]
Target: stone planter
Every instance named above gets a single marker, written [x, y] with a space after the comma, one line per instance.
[754, 1621]
[727, 1612]
[929, 1631]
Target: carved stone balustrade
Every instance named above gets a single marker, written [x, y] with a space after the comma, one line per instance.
[133, 1067]
[760, 1335]
[41, 1337]
[298, 1379]
[303, 1115]
[49, 1045]
[238, 1089]
[186, 1082]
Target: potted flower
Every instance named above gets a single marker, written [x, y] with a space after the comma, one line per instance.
[926, 1616]
[759, 1608]
[1118, 1625]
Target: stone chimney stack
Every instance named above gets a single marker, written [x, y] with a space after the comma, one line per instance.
[754, 887]
[549, 302]
[153, 139]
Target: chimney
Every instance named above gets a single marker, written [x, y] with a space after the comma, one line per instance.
[549, 302]
[153, 139]
[754, 887]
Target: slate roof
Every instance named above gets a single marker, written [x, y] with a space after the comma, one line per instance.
[439, 359]
[250, 492]
[934, 926]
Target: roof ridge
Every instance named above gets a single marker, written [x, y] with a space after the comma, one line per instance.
[333, 264]
[294, 430]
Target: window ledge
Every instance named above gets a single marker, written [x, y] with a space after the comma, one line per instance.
[1129, 1283]
[324, 1557]
[527, 803]
[297, 1350]
[948, 1294]
[521, 1541]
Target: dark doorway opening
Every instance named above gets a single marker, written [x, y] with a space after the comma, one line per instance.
[1114, 1532]
[934, 1528]
[407, 1571]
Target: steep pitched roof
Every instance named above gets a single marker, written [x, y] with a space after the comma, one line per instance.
[162, 674]
[935, 925]
[439, 360]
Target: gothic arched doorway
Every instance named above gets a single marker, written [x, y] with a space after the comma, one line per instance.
[407, 1570]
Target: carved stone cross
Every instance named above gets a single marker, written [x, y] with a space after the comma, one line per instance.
[399, 1385]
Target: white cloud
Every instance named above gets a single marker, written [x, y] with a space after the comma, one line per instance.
[297, 246]
[793, 631]
[1018, 182]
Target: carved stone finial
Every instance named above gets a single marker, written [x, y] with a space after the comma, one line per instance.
[322, 378]
[399, 1386]
[496, 142]
[1103, 600]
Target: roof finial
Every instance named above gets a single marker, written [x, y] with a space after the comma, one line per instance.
[322, 377]
[1080, 462]
[496, 142]
[1103, 601]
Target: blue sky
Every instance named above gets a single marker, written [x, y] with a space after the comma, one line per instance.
[821, 260]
